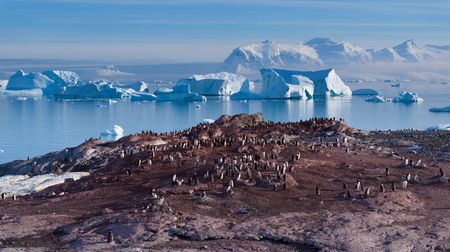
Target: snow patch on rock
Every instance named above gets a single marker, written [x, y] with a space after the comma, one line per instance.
[24, 184]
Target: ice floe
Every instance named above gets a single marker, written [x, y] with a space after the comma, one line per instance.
[378, 99]
[365, 91]
[116, 131]
[443, 109]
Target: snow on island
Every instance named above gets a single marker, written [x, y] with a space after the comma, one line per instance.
[407, 97]
[443, 109]
[24, 184]
[365, 91]
[288, 84]
[222, 84]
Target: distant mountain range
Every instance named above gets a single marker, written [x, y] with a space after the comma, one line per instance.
[324, 52]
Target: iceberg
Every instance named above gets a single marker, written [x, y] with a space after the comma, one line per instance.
[209, 121]
[407, 97]
[365, 91]
[377, 99]
[443, 109]
[288, 84]
[24, 81]
[117, 131]
[92, 91]
[180, 93]
[60, 79]
[24, 184]
[139, 86]
[247, 92]
[142, 96]
[221, 84]
[439, 127]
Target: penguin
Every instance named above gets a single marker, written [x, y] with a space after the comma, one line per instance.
[367, 192]
[404, 184]
[386, 172]
[317, 191]
[393, 186]
[358, 185]
[110, 238]
[382, 188]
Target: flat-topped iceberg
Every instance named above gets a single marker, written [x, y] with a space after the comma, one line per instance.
[378, 99]
[92, 91]
[289, 84]
[407, 97]
[443, 109]
[22, 81]
[222, 83]
[365, 91]
[179, 93]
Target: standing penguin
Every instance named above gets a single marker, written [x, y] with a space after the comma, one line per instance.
[382, 188]
[110, 238]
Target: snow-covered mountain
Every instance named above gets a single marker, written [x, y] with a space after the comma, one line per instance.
[249, 58]
[336, 51]
[412, 51]
[325, 52]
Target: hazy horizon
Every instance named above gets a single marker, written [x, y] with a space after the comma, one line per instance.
[175, 31]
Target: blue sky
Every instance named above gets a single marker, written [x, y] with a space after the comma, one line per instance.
[206, 30]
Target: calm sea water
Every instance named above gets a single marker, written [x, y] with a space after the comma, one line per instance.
[35, 127]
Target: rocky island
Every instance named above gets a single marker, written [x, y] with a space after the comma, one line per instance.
[239, 184]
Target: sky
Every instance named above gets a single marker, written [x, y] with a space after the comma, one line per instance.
[164, 31]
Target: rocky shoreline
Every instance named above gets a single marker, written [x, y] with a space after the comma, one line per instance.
[240, 184]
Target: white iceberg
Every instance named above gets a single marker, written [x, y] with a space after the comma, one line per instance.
[247, 92]
[407, 97]
[24, 184]
[139, 86]
[60, 80]
[221, 84]
[23, 81]
[63, 78]
[209, 121]
[288, 84]
[142, 96]
[377, 99]
[1, 151]
[116, 131]
[92, 91]
[365, 91]
[114, 134]
[179, 93]
[439, 127]
[443, 109]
